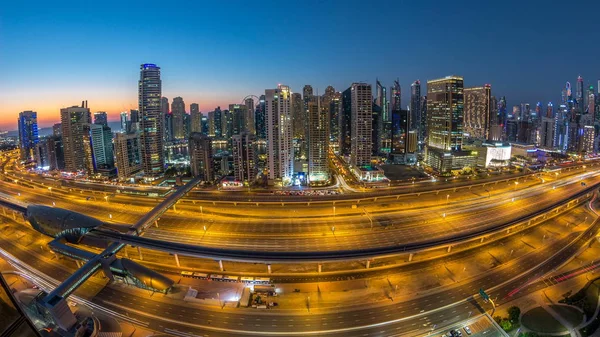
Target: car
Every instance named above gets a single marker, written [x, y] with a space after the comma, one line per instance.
[467, 330]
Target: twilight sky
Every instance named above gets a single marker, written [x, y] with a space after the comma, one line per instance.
[55, 54]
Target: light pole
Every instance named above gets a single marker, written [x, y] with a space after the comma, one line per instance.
[106, 198]
[516, 183]
[50, 189]
[447, 197]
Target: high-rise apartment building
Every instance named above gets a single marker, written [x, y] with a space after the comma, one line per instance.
[245, 156]
[75, 127]
[239, 113]
[318, 142]
[57, 129]
[166, 119]
[361, 128]
[28, 134]
[298, 116]
[102, 147]
[477, 111]
[177, 113]
[195, 118]
[280, 152]
[250, 108]
[101, 118]
[260, 119]
[201, 159]
[345, 123]
[151, 124]
[335, 108]
[134, 120]
[127, 154]
[124, 119]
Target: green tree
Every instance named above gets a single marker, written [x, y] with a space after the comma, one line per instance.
[513, 314]
[506, 325]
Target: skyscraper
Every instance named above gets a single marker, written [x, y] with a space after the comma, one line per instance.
[280, 153]
[56, 129]
[75, 126]
[580, 104]
[335, 107]
[298, 113]
[239, 113]
[166, 117]
[345, 123]
[102, 147]
[124, 122]
[28, 134]
[477, 111]
[134, 118]
[445, 100]
[416, 120]
[127, 154]
[149, 98]
[196, 118]
[318, 142]
[382, 101]
[245, 158]
[260, 119]
[100, 118]
[547, 134]
[361, 129]
[250, 108]
[201, 159]
[178, 112]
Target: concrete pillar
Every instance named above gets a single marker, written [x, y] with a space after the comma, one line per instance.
[269, 268]
[235, 204]
[78, 263]
[177, 260]
[507, 230]
[14, 216]
[175, 207]
[221, 265]
[4, 211]
[368, 264]
[156, 223]
[410, 257]
[481, 241]
[449, 249]
[140, 252]
[320, 267]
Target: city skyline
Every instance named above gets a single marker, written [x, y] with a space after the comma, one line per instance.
[41, 77]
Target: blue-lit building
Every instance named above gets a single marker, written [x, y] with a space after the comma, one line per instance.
[28, 134]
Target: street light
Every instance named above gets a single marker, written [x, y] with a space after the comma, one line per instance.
[447, 197]
[516, 183]
[50, 189]
[106, 198]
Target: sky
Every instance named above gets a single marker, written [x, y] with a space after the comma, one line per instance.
[55, 54]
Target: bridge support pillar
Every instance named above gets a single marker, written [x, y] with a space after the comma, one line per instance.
[507, 230]
[177, 260]
[14, 216]
[481, 241]
[140, 253]
[368, 264]
[221, 265]
[320, 267]
[269, 268]
[449, 249]
[156, 223]
[175, 207]
[4, 211]
[410, 257]
[235, 204]
[78, 263]
[125, 251]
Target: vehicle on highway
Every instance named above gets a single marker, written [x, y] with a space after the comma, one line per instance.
[467, 330]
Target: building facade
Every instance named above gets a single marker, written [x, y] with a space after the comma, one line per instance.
[151, 124]
[28, 134]
[477, 111]
[280, 152]
[201, 158]
[361, 129]
[318, 142]
[127, 154]
[75, 127]
[245, 157]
